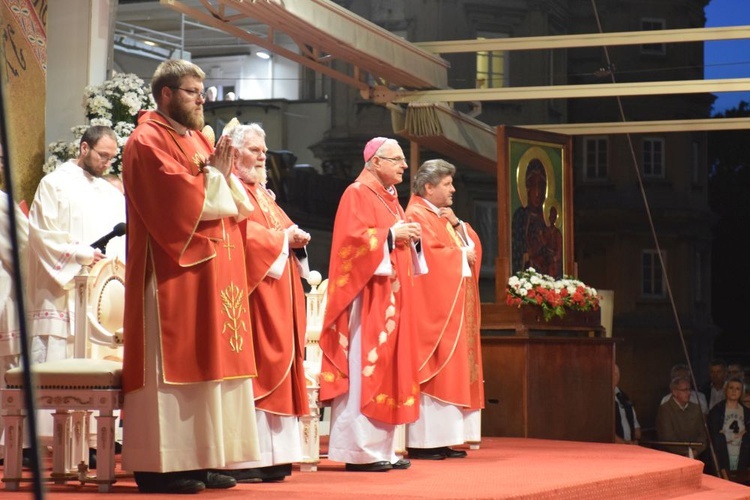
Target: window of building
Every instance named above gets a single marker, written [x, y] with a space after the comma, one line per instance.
[653, 283]
[492, 66]
[650, 24]
[595, 158]
[653, 157]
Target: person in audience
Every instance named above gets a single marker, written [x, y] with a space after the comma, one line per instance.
[189, 362]
[728, 423]
[627, 428]
[448, 348]
[697, 397]
[369, 373]
[275, 253]
[73, 207]
[713, 391]
[679, 421]
[736, 370]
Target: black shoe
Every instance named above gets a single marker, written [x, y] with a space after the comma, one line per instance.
[167, 482]
[402, 463]
[242, 475]
[214, 480]
[426, 453]
[276, 473]
[451, 453]
[371, 467]
[270, 474]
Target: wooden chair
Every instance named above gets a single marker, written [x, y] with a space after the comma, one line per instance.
[311, 426]
[76, 387]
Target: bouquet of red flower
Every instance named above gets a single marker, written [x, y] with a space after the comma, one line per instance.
[553, 296]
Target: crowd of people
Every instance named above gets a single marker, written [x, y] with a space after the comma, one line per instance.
[214, 334]
[709, 424]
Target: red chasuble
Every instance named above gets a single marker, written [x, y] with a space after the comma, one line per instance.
[390, 389]
[204, 324]
[277, 309]
[448, 345]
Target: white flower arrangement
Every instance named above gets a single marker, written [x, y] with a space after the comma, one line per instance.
[115, 103]
[553, 296]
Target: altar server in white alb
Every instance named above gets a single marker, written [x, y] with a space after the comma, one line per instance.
[73, 207]
[10, 334]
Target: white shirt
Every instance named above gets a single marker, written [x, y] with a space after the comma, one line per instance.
[717, 395]
[626, 431]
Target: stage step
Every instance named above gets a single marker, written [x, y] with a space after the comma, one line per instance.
[502, 468]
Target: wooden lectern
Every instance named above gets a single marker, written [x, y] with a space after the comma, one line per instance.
[543, 379]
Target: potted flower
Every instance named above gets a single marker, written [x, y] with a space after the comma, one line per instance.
[114, 103]
[554, 297]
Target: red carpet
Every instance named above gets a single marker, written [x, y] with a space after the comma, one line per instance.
[503, 468]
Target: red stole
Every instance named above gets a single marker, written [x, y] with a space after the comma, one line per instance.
[390, 389]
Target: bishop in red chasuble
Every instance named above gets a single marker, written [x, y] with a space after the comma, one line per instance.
[369, 370]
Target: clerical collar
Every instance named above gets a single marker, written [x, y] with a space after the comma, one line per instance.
[431, 206]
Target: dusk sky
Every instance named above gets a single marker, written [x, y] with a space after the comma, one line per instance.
[729, 59]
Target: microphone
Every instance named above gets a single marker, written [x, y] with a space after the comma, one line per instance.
[101, 243]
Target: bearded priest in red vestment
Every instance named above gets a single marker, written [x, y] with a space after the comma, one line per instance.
[275, 255]
[448, 343]
[188, 358]
[369, 372]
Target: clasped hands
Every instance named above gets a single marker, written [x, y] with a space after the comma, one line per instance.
[297, 237]
[407, 231]
[223, 157]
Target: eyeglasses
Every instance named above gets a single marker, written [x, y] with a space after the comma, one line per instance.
[103, 157]
[192, 92]
[400, 159]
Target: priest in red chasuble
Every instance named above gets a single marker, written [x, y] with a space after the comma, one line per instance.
[448, 343]
[369, 371]
[275, 255]
[188, 361]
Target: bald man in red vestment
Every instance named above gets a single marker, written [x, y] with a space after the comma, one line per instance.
[188, 357]
[449, 352]
[369, 372]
